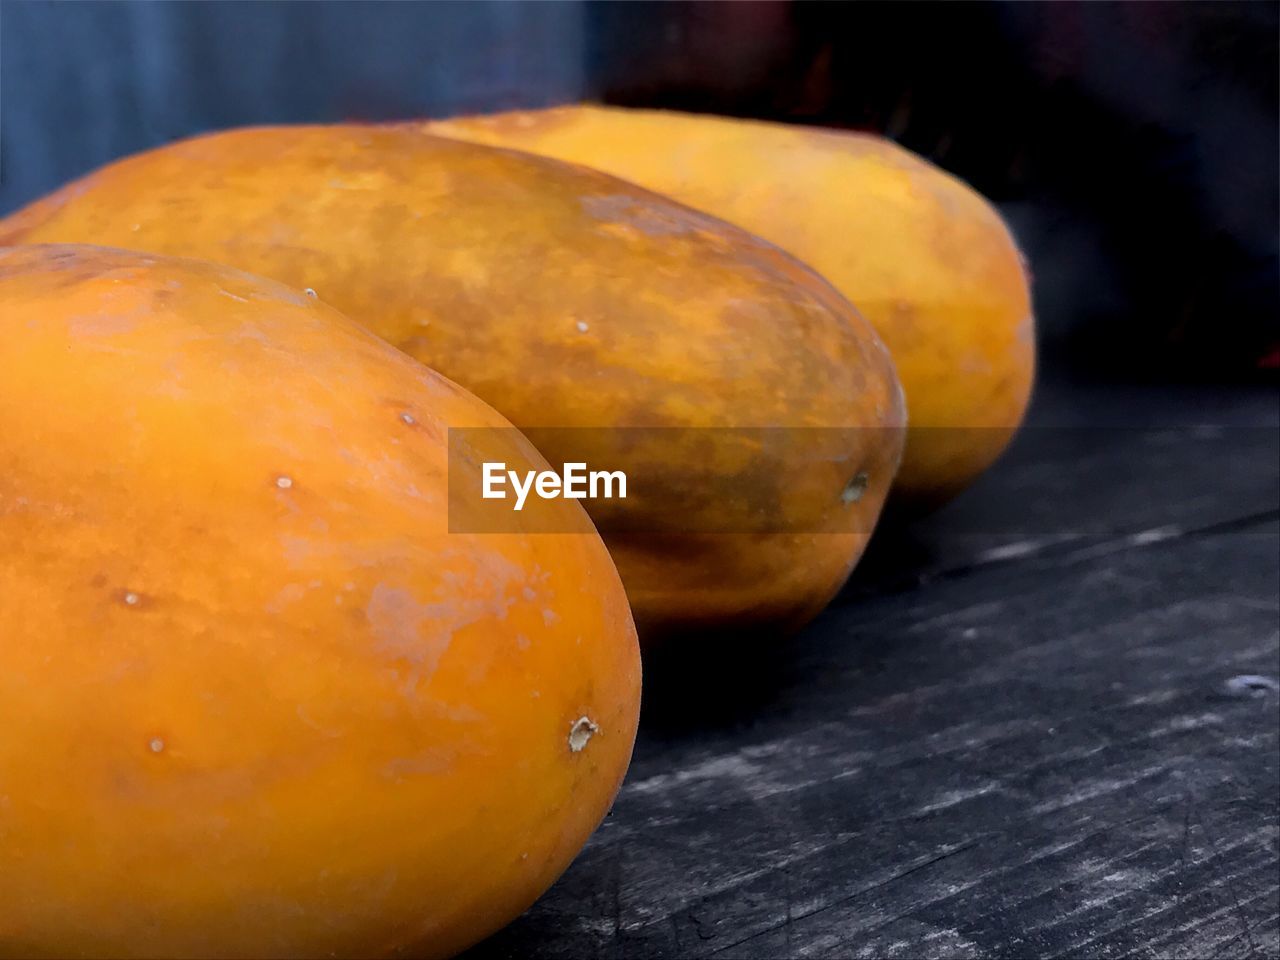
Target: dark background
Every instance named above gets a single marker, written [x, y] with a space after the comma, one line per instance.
[1132, 146]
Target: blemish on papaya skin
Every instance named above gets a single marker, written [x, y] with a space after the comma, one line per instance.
[156, 745]
[283, 482]
[413, 635]
[627, 210]
[311, 293]
[581, 732]
[428, 762]
[105, 324]
[298, 551]
[289, 594]
[427, 426]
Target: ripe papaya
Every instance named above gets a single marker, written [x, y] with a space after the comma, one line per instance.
[925, 258]
[257, 701]
[581, 307]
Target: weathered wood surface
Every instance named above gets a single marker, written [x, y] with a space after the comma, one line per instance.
[1043, 722]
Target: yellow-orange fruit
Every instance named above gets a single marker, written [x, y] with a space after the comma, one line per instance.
[925, 259]
[256, 700]
[567, 299]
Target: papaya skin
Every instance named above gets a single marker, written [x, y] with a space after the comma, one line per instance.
[564, 298]
[925, 258]
[257, 701]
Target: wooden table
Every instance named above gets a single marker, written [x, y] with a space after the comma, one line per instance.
[1041, 722]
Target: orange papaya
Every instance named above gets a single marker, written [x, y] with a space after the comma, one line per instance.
[258, 701]
[927, 260]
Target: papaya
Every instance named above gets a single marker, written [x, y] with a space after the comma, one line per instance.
[257, 700]
[927, 260]
[755, 414]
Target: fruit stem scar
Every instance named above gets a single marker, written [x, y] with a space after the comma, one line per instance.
[582, 730]
[283, 482]
[156, 745]
[855, 488]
